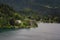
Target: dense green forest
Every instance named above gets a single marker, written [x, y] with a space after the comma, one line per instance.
[27, 17]
[8, 18]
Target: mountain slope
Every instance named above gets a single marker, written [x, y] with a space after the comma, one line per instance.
[20, 4]
[44, 7]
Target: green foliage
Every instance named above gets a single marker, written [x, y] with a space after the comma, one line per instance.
[26, 15]
[8, 16]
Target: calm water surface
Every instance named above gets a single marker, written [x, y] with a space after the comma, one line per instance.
[43, 32]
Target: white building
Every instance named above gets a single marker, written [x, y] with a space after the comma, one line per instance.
[18, 21]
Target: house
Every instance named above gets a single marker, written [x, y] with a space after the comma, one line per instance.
[14, 22]
[18, 21]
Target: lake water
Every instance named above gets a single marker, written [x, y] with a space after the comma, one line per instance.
[43, 32]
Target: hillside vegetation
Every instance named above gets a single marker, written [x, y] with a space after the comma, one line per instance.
[27, 17]
[8, 16]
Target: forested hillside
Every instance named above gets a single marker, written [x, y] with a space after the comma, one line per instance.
[27, 11]
[11, 19]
